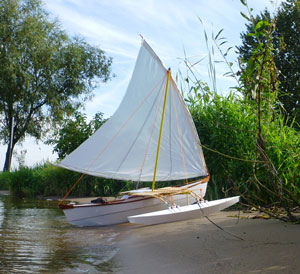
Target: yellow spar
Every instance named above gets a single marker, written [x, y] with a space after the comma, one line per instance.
[161, 127]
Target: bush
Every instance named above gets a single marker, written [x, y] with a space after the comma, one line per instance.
[4, 180]
[50, 180]
[227, 125]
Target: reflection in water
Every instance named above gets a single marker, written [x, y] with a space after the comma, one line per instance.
[35, 238]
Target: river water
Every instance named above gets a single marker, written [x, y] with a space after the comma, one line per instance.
[36, 238]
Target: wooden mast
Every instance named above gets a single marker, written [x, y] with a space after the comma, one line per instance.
[161, 127]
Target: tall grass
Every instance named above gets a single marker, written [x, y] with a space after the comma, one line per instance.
[226, 126]
[227, 129]
[4, 180]
[50, 180]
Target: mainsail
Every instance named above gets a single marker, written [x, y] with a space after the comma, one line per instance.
[125, 146]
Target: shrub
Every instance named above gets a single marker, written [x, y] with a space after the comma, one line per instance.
[4, 180]
[225, 125]
[50, 180]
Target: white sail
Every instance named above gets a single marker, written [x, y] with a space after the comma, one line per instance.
[125, 146]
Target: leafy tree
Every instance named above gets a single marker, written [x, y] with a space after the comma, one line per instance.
[286, 40]
[75, 131]
[275, 162]
[44, 73]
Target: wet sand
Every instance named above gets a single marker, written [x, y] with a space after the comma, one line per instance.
[197, 246]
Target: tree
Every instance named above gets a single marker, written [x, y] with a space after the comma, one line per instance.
[276, 169]
[44, 73]
[75, 131]
[286, 40]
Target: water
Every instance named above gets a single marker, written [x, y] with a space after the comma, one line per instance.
[36, 238]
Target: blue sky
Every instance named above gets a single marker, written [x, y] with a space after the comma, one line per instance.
[169, 26]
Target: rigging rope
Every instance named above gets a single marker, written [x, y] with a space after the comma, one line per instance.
[231, 234]
[232, 157]
[216, 225]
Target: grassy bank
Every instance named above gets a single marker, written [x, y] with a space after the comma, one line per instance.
[49, 180]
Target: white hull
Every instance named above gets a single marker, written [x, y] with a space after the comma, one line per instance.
[118, 211]
[183, 213]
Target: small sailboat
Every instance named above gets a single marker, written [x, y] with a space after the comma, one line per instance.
[150, 138]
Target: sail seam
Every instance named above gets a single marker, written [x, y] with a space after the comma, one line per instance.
[179, 135]
[192, 126]
[139, 133]
[150, 137]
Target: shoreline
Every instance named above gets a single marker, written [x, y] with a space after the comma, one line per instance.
[197, 246]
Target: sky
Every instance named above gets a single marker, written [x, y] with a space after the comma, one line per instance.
[171, 27]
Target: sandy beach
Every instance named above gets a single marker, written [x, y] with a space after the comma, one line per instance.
[197, 246]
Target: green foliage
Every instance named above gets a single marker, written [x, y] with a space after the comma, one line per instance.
[259, 73]
[250, 148]
[50, 180]
[4, 181]
[286, 40]
[283, 148]
[44, 74]
[226, 125]
[25, 182]
[276, 181]
[73, 132]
